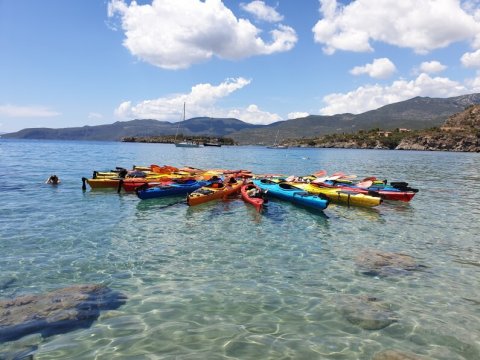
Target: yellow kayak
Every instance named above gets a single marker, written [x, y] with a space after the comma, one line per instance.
[339, 196]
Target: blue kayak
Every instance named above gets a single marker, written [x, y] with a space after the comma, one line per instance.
[174, 189]
[293, 194]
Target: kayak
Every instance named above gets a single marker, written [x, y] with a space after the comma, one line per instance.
[214, 190]
[130, 185]
[252, 194]
[339, 196]
[115, 183]
[173, 189]
[386, 192]
[295, 195]
[101, 183]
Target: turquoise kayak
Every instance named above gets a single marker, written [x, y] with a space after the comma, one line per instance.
[292, 194]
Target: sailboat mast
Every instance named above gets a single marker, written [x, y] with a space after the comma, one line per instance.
[178, 126]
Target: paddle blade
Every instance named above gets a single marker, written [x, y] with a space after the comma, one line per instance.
[365, 184]
[320, 173]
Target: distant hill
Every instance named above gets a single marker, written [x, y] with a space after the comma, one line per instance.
[136, 128]
[416, 113]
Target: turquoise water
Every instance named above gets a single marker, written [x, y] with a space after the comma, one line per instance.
[220, 281]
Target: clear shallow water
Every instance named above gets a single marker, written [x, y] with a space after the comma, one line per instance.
[220, 281]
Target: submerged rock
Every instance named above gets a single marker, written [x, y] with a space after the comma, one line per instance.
[396, 355]
[23, 354]
[376, 262]
[56, 312]
[6, 283]
[367, 312]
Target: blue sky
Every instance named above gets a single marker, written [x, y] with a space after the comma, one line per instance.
[66, 63]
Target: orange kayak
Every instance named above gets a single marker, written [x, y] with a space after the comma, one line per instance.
[214, 191]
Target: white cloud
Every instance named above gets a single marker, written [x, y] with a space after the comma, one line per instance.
[474, 84]
[471, 59]
[94, 115]
[253, 115]
[15, 111]
[174, 34]
[262, 11]
[371, 97]
[431, 67]
[201, 101]
[297, 115]
[422, 25]
[379, 69]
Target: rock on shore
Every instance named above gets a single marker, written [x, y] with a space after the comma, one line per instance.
[443, 141]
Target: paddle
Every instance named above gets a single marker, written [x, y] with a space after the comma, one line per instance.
[320, 173]
[365, 184]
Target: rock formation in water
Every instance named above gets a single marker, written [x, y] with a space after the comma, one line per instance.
[55, 312]
[381, 263]
[397, 355]
[369, 313]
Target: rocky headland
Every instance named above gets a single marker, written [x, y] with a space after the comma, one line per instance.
[461, 132]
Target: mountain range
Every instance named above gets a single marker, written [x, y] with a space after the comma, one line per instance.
[415, 113]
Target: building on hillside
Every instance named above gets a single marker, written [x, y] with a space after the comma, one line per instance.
[384, 133]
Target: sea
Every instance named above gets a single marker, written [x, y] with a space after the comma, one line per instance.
[222, 281]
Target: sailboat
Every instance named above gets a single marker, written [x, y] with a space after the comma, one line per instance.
[184, 143]
[276, 145]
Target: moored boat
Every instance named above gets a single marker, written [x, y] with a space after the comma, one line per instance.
[213, 144]
[187, 144]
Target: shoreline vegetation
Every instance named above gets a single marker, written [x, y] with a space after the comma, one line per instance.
[434, 139]
[170, 139]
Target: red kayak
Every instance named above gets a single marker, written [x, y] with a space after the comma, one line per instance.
[133, 183]
[252, 194]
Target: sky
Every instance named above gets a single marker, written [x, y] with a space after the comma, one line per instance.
[69, 63]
